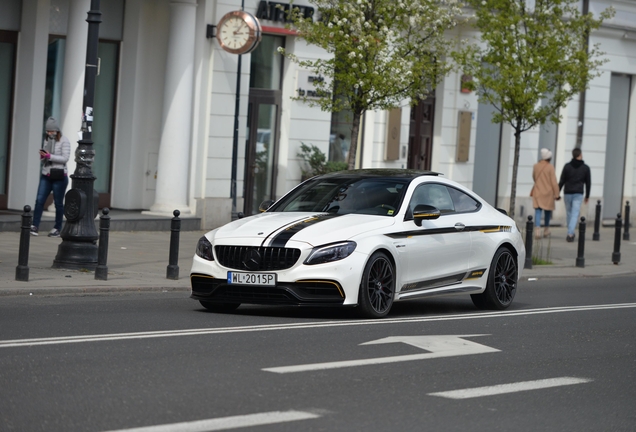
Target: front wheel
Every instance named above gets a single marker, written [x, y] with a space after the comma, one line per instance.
[377, 288]
[501, 286]
[219, 307]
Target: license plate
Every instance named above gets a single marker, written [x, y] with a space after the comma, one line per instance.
[240, 278]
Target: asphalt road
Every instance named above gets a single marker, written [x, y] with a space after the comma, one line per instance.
[563, 357]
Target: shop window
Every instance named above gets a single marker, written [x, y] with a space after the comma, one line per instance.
[267, 64]
[340, 136]
[104, 103]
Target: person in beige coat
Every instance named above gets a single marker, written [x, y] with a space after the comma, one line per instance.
[544, 192]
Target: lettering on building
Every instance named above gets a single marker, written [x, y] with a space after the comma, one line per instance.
[279, 12]
[307, 85]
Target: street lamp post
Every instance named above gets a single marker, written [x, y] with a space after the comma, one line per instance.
[78, 249]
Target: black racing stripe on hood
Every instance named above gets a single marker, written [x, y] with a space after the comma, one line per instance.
[281, 239]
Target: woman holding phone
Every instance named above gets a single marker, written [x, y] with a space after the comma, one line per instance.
[54, 155]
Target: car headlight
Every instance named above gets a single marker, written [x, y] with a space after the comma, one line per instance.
[204, 249]
[329, 253]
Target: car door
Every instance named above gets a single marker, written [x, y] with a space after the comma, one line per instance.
[436, 253]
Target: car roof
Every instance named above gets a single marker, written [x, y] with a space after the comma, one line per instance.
[406, 174]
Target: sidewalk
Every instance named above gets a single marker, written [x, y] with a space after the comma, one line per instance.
[137, 261]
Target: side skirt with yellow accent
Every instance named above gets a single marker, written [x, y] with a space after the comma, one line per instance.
[445, 285]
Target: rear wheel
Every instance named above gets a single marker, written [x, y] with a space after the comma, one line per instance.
[377, 288]
[219, 307]
[501, 286]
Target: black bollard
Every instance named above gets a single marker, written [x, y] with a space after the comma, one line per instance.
[616, 255]
[22, 269]
[172, 272]
[626, 232]
[529, 235]
[101, 271]
[580, 259]
[597, 222]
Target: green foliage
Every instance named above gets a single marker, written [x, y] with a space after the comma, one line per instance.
[381, 52]
[531, 59]
[316, 162]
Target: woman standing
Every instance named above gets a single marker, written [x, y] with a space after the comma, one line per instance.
[54, 155]
[544, 192]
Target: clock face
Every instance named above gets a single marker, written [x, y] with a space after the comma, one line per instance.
[238, 32]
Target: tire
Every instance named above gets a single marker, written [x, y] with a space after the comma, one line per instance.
[219, 307]
[377, 288]
[501, 286]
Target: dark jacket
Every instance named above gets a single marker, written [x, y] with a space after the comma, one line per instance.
[574, 177]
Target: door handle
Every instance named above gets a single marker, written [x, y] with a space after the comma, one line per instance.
[460, 226]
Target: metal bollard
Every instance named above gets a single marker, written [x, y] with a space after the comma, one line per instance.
[597, 222]
[22, 269]
[172, 272]
[626, 232]
[529, 235]
[101, 271]
[580, 259]
[616, 255]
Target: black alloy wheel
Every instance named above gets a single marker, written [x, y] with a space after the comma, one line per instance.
[501, 286]
[377, 289]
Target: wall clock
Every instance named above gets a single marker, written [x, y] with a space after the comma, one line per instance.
[239, 32]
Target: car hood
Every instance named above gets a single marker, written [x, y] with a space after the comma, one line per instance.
[276, 229]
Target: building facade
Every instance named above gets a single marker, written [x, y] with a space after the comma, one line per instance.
[179, 123]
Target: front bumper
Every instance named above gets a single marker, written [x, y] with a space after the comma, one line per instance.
[300, 293]
[329, 284]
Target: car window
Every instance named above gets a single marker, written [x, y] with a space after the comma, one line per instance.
[436, 195]
[463, 202]
[375, 196]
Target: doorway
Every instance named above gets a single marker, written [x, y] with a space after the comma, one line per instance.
[421, 135]
[261, 148]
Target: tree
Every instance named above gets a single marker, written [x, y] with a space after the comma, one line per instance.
[382, 53]
[534, 58]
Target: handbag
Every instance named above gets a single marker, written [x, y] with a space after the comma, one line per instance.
[56, 174]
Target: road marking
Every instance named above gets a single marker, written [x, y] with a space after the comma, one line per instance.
[510, 388]
[225, 423]
[295, 326]
[439, 346]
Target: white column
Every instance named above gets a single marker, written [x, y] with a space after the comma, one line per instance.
[174, 149]
[70, 120]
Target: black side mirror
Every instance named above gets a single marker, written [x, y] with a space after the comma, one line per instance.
[265, 205]
[424, 212]
[502, 211]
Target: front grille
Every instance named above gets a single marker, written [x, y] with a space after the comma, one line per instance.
[271, 258]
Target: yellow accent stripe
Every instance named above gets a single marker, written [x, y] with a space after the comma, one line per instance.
[324, 281]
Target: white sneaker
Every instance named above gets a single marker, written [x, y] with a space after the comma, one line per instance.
[54, 233]
[34, 230]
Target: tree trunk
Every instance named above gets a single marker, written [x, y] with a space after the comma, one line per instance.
[353, 145]
[515, 168]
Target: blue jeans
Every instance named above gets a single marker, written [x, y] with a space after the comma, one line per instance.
[572, 208]
[44, 189]
[537, 217]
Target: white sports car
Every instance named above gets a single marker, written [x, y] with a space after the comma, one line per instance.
[363, 238]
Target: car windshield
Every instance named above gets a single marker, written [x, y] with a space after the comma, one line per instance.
[344, 195]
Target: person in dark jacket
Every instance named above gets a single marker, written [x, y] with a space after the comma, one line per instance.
[575, 181]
